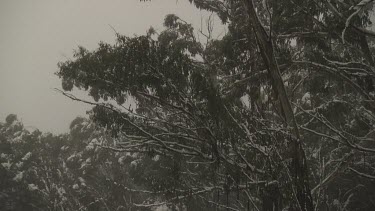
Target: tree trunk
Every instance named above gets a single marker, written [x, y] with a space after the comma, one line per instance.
[369, 86]
[299, 167]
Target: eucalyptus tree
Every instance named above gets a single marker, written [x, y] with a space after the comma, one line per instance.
[273, 115]
[41, 171]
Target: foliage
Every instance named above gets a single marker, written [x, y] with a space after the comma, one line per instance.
[213, 108]
[208, 128]
[41, 171]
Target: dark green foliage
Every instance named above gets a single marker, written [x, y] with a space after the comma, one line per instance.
[10, 119]
[41, 171]
[190, 108]
[206, 130]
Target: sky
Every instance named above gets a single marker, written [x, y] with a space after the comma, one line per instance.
[36, 35]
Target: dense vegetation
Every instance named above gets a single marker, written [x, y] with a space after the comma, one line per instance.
[277, 114]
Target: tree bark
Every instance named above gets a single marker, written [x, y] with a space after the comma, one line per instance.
[369, 86]
[299, 167]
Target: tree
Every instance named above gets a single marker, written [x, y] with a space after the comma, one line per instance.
[41, 171]
[259, 115]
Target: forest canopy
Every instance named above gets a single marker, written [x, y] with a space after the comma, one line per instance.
[277, 114]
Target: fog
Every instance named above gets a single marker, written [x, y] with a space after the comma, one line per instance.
[36, 35]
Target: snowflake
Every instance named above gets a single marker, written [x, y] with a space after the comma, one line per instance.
[19, 164]
[306, 99]
[18, 177]
[156, 158]
[90, 147]
[6, 165]
[121, 160]
[27, 156]
[32, 187]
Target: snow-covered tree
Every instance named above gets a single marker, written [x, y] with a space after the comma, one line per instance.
[276, 114]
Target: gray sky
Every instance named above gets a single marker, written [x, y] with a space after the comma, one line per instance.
[36, 35]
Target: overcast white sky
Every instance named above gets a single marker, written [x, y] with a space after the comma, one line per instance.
[36, 35]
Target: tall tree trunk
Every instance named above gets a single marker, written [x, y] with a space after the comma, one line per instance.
[369, 86]
[299, 167]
